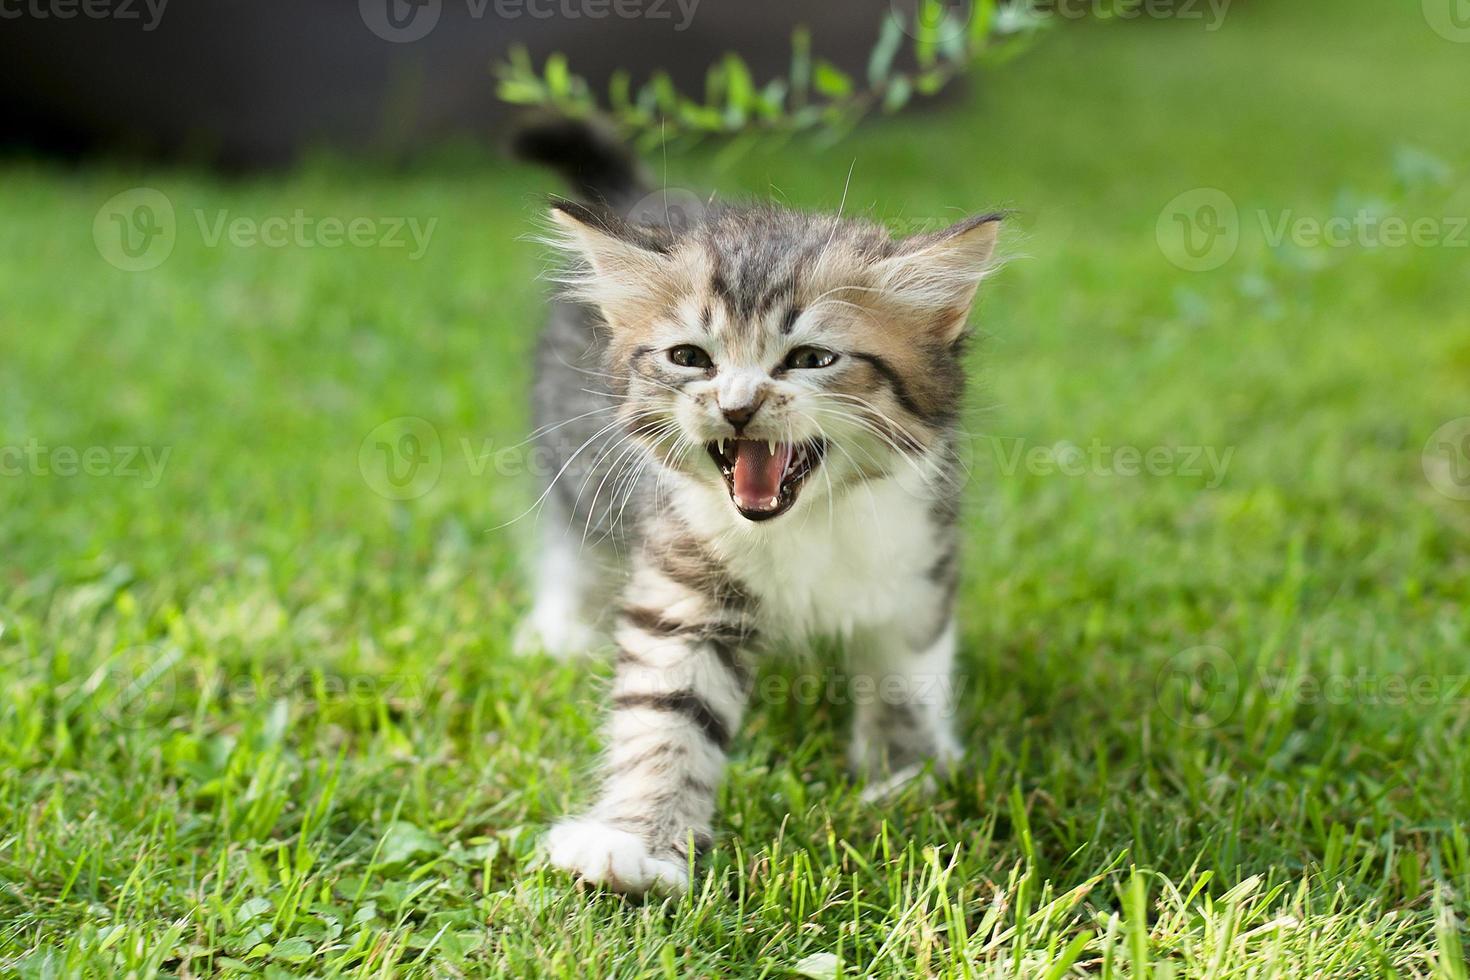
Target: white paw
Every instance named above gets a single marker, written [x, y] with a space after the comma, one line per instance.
[923, 776]
[891, 786]
[605, 855]
[563, 637]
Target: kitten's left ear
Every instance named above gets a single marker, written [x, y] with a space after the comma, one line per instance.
[936, 275]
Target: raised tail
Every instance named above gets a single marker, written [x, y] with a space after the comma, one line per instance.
[588, 155]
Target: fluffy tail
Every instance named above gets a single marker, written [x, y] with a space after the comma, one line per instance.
[588, 155]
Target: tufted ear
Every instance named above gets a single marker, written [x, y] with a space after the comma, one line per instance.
[935, 275]
[623, 266]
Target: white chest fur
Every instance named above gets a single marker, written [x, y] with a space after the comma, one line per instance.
[830, 571]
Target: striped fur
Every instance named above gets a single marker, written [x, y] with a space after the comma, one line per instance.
[643, 544]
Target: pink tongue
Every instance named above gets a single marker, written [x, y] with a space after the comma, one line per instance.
[758, 474]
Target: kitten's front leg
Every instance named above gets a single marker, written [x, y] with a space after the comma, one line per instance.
[905, 720]
[676, 703]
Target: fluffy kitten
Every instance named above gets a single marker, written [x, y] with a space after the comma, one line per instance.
[753, 421]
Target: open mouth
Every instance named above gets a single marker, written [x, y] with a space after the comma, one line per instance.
[764, 477]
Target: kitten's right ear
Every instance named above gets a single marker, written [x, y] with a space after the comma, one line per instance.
[625, 260]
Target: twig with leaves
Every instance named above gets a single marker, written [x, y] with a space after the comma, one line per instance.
[814, 94]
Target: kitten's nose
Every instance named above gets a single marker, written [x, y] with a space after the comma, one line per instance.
[740, 414]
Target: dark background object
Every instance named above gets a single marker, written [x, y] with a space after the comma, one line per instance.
[249, 84]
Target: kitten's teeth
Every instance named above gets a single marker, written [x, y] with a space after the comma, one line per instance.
[771, 446]
[722, 447]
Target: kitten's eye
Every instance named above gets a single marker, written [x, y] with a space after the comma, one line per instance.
[687, 355]
[804, 358]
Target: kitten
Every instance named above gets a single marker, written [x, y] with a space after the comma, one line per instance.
[753, 421]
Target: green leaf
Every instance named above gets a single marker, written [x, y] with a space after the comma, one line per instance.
[619, 87]
[558, 75]
[982, 15]
[880, 62]
[929, 21]
[831, 81]
[896, 96]
[404, 843]
[771, 100]
[252, 909]
[740, 91]
[930, 82]
[801, 63]
[293, 950]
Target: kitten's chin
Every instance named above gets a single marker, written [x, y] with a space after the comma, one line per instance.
[765, 478]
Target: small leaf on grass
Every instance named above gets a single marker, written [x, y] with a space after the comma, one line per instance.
[252, 909]
[293, 950]
[404, 843]
[818, 966]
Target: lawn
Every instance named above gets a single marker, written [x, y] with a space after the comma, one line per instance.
[260, 714]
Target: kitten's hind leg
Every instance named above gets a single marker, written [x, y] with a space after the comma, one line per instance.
[570, 585]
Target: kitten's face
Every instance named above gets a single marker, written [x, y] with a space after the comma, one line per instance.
[779, 357]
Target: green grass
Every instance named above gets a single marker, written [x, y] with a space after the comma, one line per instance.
[257, 717]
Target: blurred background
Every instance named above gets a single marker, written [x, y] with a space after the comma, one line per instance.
[244, 85]
[268, 288]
